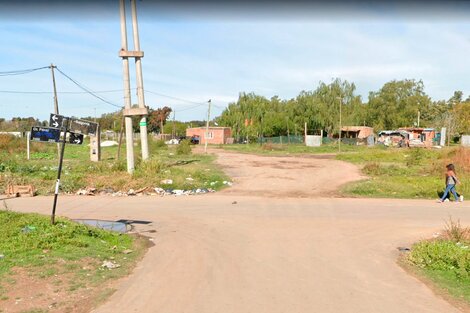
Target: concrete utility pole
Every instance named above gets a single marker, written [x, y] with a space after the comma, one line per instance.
[127, 90]
[207, 126]
[56, 103]
[140, 83]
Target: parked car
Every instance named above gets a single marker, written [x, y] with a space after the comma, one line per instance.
[195, 140]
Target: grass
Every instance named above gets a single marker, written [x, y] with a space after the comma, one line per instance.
[407, 173]
[283, 149]
[79, 172]
[445, 261]
[67, 255]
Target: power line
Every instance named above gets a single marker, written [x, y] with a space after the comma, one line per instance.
[174, 98]
[20, 72]
[86, 89]
[62, 92]
[190, 108]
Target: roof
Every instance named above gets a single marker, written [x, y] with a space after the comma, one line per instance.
[416, 129]
[354, 128]
[392, 132]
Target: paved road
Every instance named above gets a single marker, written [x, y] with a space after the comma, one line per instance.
[269, 255]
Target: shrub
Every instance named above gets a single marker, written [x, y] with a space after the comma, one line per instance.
[372, 168]
[455, 232]
[160, 144]
[184, 148]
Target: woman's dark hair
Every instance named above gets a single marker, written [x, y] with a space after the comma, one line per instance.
[450, 167]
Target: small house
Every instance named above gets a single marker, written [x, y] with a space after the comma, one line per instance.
[359, 132]
[216, 135]
[420, 136]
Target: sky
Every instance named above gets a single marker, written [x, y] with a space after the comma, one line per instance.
[194, 53]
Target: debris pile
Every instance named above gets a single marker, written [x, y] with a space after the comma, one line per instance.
[147, 191]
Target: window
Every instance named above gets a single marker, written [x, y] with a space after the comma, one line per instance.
[209, 135]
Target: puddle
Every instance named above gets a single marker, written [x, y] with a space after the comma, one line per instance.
[119, 227]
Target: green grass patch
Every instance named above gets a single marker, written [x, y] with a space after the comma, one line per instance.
[445, 260]
[29, 240]
[406, 173]
[283, 149]
[66, 256]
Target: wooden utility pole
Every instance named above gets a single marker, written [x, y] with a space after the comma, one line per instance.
[127, 90]
[207, 126]
[56, 102]
[174, 126]
[305, 132]
[340, 106]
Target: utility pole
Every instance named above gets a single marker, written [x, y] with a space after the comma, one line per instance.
[174, 126]
[340, 105]
[207, 126]
[127, 90]
[56, 102]
[140, 83]
[418, 117]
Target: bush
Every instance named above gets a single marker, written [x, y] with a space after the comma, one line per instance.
[184, 148]
[372, 168]
[160, 144]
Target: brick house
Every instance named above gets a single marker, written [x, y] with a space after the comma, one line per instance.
[359, 132]
[217, 135]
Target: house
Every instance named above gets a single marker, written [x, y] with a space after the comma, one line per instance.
[420, 136]
[359, 132]
[392, 137]
[216, 135]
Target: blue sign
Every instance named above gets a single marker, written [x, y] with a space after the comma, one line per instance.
[45, 134]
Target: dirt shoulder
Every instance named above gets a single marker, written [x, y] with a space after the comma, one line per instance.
[301, 176]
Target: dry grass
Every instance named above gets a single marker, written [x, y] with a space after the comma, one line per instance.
[453, 231]
[460, 157]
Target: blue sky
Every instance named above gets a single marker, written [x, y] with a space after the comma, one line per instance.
[215, 55]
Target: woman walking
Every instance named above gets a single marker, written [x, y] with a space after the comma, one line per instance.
[451, 181]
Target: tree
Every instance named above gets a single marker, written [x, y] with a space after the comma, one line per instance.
[157, 118]
[397, 104]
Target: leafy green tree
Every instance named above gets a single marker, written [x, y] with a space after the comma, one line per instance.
[397, 104]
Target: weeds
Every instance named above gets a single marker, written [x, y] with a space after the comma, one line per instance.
[184, 147]
[453, 231]
[446, 260]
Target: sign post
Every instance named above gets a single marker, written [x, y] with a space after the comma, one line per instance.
[62, 126]
[59, 171]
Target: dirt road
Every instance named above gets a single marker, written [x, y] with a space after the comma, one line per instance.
[227, 253]
[312, 176]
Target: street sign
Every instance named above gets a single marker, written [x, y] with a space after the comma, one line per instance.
[83, 127]
[76, 139]
[46, 134]
[56, 120]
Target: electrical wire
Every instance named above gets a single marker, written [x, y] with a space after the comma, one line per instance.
[174, 98]
[59, 92]
[20, 72]
[87, 90]
[190, 108]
